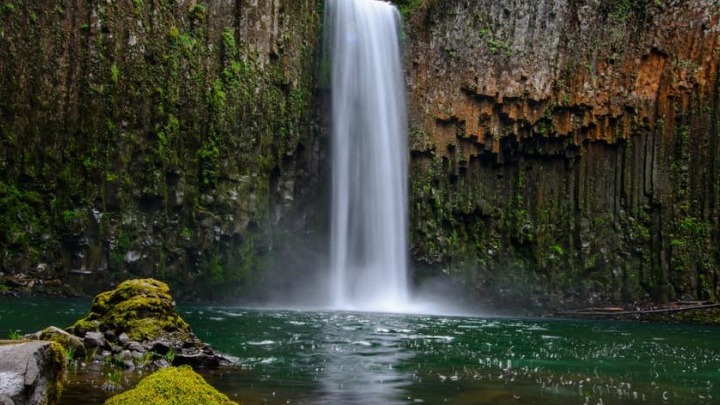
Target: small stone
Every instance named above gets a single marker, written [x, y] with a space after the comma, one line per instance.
[123, 339]
[135, 347]
[125, 355]
[137, 355]
[94, 340]
[162, 363]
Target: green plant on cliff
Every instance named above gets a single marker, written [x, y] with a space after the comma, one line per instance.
[198, 13]
[407, 7]
[209, 164]
[18, 218]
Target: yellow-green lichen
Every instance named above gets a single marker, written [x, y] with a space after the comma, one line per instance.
[174, 385]
[71, 344]
[142, 308]
[57, 362]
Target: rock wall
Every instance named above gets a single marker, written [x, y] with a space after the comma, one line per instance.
[565, 152]
[164, 138]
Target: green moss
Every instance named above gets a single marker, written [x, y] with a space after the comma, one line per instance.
[58, 363]
[198, 13]
[114, 73]
[71, 344]
[142, 308]
[171, 386]
[19, 219]
[407, 7]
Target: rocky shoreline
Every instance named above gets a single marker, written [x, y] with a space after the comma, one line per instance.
[135, 326]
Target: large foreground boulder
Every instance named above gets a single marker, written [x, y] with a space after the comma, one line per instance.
[31, 372]
[137, 322]
[173, 385]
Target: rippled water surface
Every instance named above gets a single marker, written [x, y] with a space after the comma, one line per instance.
[362, 358]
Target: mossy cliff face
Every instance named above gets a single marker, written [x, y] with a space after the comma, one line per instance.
[167, 138]
[565, 153]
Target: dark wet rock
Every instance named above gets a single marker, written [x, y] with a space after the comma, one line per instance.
[197, 360]
[161, 347]
[31, 372]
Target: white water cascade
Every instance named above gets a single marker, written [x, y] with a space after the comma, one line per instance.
[368, 248]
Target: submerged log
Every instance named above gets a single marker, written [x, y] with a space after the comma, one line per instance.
[664, 313]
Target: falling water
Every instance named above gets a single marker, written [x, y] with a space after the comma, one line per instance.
[369, 135]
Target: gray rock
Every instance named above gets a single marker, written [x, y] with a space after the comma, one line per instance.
[125, 355]
[94, 340]
[30, 372]
[136, 347]
[162, 363]
[123, 339]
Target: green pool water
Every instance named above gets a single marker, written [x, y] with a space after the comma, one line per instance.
[324, 357]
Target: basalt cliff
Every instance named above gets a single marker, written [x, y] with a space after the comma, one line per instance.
[164, 138]
[563, 152]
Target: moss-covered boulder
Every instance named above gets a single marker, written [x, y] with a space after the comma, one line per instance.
[137, 324]
[72, 344]
[175, 385]
[141, 308]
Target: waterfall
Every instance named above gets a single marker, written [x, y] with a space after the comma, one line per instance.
[368, 247]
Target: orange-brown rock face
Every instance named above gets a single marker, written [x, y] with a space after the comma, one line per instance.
[567, 149]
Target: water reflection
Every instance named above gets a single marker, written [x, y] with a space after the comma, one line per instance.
[360, 358]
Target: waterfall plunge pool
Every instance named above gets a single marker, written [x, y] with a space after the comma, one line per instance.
[324, 357]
